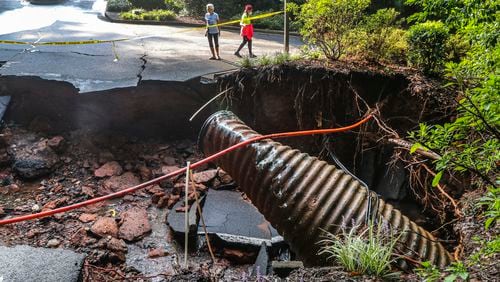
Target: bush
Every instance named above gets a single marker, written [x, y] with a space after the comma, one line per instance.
[326, 23]
[148, 4]
[155, 15]
[118, 6]
[427, 46]
[378, 38]
[229, 8]
[174, 5]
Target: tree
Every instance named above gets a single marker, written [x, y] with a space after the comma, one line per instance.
[326, 23]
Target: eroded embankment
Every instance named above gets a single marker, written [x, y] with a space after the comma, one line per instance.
[152, 109]
[291, 97]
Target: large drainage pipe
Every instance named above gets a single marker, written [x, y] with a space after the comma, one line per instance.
[302, 196]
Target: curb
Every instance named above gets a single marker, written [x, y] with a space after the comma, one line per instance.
[114, 18]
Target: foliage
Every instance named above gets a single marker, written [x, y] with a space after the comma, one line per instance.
[470, 143]
[154, 15]
[492, 202]
[268, 60]
[229, 8]
[174, 5]
[367, 251]
[326, 23]
[428, 272]
[427, 42]
[118, 6]
[489, 248]
[148, 4]
[456, 270]
[378, 38]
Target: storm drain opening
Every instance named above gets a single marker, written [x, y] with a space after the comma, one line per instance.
[263, 205]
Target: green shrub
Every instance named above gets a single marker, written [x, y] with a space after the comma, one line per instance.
[118, 6]
[148, 4]
[427, 46]
[367, 251]
[229, 8]
[326, 23]
[492, 202]
[155, 15]
[174, 5]
[384, 41]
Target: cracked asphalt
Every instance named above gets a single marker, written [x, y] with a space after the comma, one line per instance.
[161, 53]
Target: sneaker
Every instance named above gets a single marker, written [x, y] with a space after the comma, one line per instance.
[252, 56]
[213, 58]
[237, 54]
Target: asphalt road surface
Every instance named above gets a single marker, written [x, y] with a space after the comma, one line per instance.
[166, 53]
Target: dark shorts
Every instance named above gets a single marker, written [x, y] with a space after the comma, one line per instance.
[213, 39]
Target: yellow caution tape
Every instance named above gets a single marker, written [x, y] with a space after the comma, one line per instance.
[55, 43]
[262, 16]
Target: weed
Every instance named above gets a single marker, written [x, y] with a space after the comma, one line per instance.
[492, 202]
[367, 251]
[428, 272]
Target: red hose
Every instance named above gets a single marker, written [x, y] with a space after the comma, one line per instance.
[182, 170]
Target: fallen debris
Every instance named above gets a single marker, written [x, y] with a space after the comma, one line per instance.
[134, 224]
[105, 226]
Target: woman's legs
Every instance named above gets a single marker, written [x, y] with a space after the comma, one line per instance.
[245, 40]
[250, 49]
[216, 42]
[211, 44]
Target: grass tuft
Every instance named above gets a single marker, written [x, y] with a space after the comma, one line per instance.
[368, 250]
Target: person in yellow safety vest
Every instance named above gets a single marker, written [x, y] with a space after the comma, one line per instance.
[213, 31]
[246, 31]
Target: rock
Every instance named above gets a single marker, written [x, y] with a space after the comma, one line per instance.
[134, 225]
[34, 161]
[169, 169]
[117, 245]
[35, 208]
[2, 212]
[89, 191]
[105, 226]
[23, 263]
[12, 188]
[169, 161]
[117, 183]
[239, 256]
[108, 169]
[205, 176]
[87, 217]
[53, 243]
[57, 144]
[284, 268]
[158, 252]
[224, 177]
[145, 173]
[55, 203]
[163, 202]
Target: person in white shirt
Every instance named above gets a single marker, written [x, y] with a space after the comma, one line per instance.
[213, 31]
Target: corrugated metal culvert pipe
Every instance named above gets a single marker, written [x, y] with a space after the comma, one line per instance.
[302, 196]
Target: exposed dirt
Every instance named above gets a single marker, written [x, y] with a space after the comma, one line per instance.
[124, 238]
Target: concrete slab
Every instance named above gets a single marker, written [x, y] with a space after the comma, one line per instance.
[235, 220]
[4, 103]
[26, 264]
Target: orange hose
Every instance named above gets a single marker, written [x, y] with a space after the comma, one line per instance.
[182, 170]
